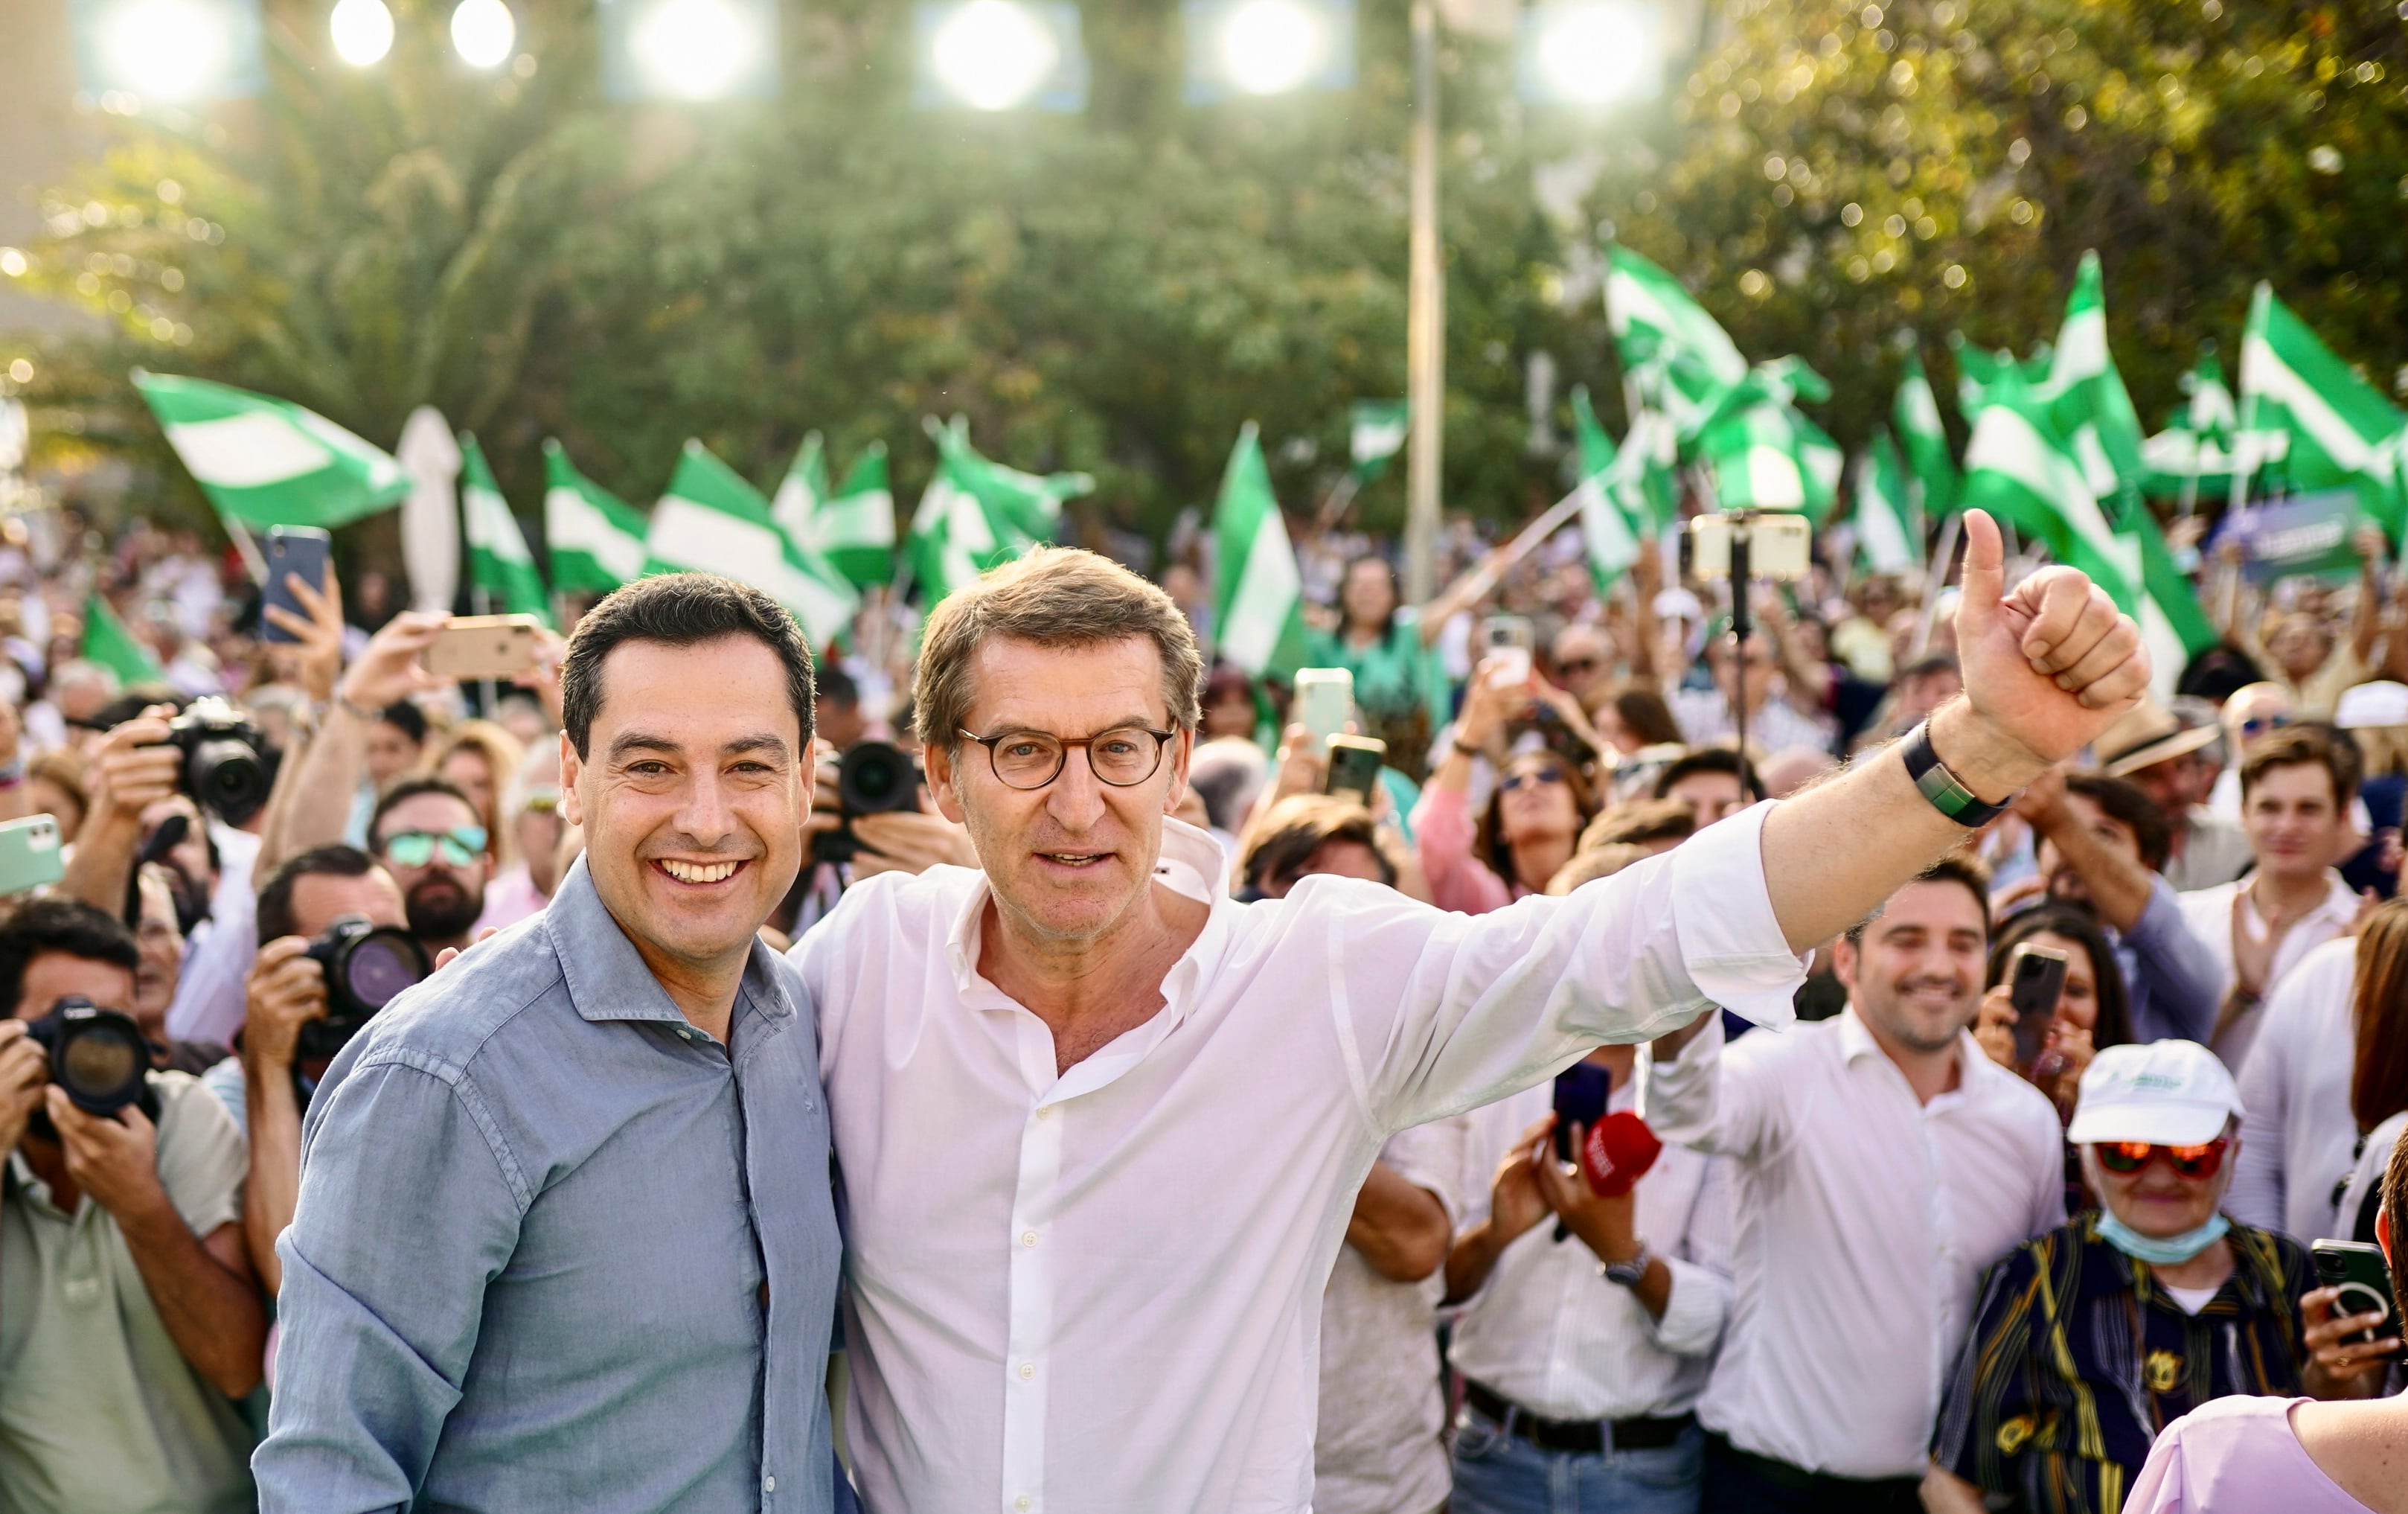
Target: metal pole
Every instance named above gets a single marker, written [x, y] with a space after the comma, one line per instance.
[1424, 322]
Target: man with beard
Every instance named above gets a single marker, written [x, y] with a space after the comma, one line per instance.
[1881, 1163]
[427, 834]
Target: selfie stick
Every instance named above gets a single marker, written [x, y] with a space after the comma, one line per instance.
[1739, 570]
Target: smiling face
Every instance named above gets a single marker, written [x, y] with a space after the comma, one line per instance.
[692, 798]
[2295, 824]
[1073, 860]
[1534, 801]
[1916, 976]
[2158, 1200]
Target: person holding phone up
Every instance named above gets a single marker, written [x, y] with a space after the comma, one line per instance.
[1533, 820]
[2090, 1339]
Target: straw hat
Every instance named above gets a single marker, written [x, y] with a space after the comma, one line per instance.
[2149, 735]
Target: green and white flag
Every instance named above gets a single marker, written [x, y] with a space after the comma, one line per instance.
[2019, 468]
[1258, 594]
[978, 513]
[1375, 433]
[1931, 472]
[1607, 489]
[857, 527]
[499, 563]
[1681, 354]
[711, 520]
[268, 462]
[596, 539]
[2340, 430]
[2172, 625]
[1889, 536]
[1769, 456]
[109, 643]
[2194, 453]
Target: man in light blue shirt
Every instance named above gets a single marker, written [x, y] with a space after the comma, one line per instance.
[565, 1237]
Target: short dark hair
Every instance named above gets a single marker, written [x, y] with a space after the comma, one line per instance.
[1931, 665]
[1643, 714]
[680, 610]
[68, 925]
[407, 718]
[411, 787]
[1641, 823]
[2299, 746]
[1302, 824]
[2130, 806]
[2395, 1210]
[2074, 923]
[276, 895]
[1957, 868]
[830, 682]
[1699, 759]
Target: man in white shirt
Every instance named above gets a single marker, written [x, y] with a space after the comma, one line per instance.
[2296, 787]
[1590, 1324]
[1882, 1162]
[1100, 1127]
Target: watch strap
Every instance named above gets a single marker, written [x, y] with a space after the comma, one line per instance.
[1935, 783]
[1628, 1274]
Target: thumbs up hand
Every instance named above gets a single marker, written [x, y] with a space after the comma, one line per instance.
[2050, 666]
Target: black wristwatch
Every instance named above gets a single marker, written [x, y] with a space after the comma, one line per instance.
[1947, 795]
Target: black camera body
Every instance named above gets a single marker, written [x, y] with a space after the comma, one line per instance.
[871, 778]
[98, 1056]
[222, 770]
[366, 967]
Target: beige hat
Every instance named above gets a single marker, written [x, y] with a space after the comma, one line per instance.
[2149, 735]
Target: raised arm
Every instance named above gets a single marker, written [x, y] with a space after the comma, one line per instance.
[2366, 624]
[387, 673]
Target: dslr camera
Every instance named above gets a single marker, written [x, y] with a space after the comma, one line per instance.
[97, 1056]
[222, 771]
[871, 778]
[366, 967]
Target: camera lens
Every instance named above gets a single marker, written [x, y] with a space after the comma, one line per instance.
[97, 1056]
[96, 1063]
[875, 777]
[376, 969]
[226, 776]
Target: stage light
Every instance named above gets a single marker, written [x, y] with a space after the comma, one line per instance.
[689, 50]
[1256, 48]
[1591, 52]
[362, 31]
[483, 32]
[165, 50]
[1003, 55]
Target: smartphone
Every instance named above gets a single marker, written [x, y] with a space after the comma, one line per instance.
[1355, 763]
[1778, 545]
[2364, 1279]
[1324, 701]
[2035, 977]
[1581, 1092]
[482, 646]
[301, 551]
[1508, 642]
[30, 857]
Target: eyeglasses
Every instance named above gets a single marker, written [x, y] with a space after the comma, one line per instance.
[541, 801]
[2260, 725]
[1123, 757]
[1540, 776]
[2124, 1158]
[1577, 665]
[460, 845]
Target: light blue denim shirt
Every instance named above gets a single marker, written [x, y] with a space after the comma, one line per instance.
[553, 1252]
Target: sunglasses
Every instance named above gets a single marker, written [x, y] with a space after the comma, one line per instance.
[1542, 775]
[460, 846]
[2125, 1158]
[1577, 665]
[2259, 725]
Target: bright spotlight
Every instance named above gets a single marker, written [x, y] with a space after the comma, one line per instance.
[483, 32]
[1267, 47]
[1000, 55]
[167, 50]
[693, 50]
[1591, 52]
[362, 31]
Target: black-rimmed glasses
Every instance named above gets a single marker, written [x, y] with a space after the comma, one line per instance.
[1123, 757]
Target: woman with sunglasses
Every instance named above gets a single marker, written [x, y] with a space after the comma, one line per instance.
[2090, 1339]
[1533, 821]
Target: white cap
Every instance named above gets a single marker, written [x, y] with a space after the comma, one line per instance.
[2379, 703]
[2166, 1094]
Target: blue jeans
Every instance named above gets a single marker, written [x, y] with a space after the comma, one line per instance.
[1496, 1473]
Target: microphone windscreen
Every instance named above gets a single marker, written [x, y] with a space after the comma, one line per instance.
[1618, 1152]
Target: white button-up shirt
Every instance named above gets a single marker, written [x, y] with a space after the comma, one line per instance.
[1550, 1332]
[1099, 1290]
[2208, 912]
[1864, 1221]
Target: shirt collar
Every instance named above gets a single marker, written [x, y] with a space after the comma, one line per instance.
[606, 977]
[1856, 1040]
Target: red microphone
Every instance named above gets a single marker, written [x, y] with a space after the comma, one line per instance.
[1618, 1152]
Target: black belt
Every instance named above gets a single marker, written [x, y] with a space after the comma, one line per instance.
[1578, 1437]
[1799, 1480]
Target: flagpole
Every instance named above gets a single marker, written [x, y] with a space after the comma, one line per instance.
[239, 534]
[1424, 320]
[1942, 561]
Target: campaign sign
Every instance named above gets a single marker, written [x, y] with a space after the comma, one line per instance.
[2305, 534]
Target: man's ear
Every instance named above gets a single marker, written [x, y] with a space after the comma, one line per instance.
[572, 766]
[936, 761]
[2383, 1232]
[1844, 956]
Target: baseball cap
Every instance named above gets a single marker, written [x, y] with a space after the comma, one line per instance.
[2379, 703]
[2166, 1092]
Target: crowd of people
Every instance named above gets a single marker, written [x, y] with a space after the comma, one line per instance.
[1931, 1248]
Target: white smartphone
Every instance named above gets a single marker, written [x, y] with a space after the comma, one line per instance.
[1508, 641]
[1778, 546]
[1324, 702]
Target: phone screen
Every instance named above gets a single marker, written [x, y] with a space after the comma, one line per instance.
[2363, 1277]
[301, 552]
[1581, 1092]
[2035, 978]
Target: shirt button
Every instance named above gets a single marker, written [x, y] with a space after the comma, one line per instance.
[1021, 1503]
[1028, 1237]
[1028, 1371]
[768, 1485]
[1044, 1111]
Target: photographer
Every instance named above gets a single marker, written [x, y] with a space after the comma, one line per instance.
[270, 1083]
[427, 834]
[130, 1321]
[849, 842]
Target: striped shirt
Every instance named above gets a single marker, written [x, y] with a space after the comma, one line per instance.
[2078, 1357]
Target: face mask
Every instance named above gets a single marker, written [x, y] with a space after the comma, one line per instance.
[2160, 1250]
